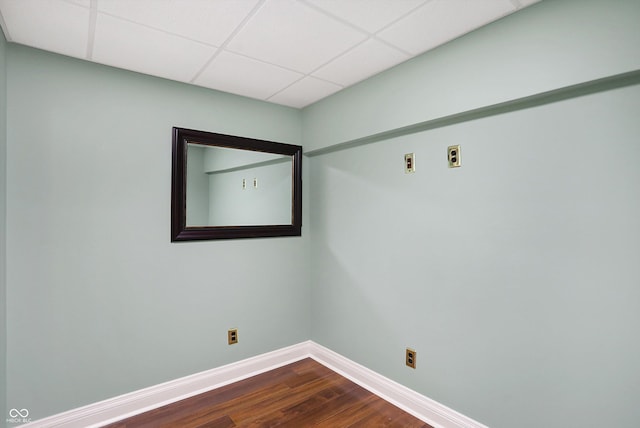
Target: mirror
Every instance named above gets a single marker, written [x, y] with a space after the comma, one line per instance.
[225, 187]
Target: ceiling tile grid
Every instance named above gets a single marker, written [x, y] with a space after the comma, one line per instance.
[289, 33]
[206, 21]
[147, 50]
[443, 20]
[55, 26]
[376, 55]
[290, 52]
[246, 76]
[304, 92]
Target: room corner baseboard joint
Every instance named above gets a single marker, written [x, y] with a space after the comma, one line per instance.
[127, 405]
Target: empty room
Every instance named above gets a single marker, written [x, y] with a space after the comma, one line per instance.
[441, 209]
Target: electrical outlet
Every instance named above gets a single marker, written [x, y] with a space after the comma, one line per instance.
[410, 358]
[232, 336]
[409, 163]
[453, 156]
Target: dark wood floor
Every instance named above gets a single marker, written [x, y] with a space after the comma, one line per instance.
[302, 394]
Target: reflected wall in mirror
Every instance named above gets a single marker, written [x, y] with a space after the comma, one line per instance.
[225, 187]
[231, 187]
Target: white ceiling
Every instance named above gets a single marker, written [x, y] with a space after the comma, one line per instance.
[290, 52]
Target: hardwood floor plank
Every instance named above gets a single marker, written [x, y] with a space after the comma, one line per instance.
[350, 415]
[272, 413]
[314, 415]
[223, 422]
[295, 396]
[308, 408]
[298, 395]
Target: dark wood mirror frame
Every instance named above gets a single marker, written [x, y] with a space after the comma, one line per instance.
[179, 229]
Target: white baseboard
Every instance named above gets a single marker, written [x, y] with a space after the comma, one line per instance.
[127, 405]
[117, 408]
[424, 408]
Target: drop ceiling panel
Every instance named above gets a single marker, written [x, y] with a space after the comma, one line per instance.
[246, 76]
[361, 62]
[304, 92]
[54, 25]
[370, 15]
[442, 21]
[123, 44]
[206, 21]
[288, 33]
[291, 52]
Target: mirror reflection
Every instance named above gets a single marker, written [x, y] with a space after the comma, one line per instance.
[233, 187]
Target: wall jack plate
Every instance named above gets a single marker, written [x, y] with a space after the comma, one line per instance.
[410, 358]
[453, 156]
[409, 163]
[232, 336]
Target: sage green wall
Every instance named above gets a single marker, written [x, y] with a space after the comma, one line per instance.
[266, 203]
[100, 303]
[3, 199]
[550, 45]
[515, 277]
